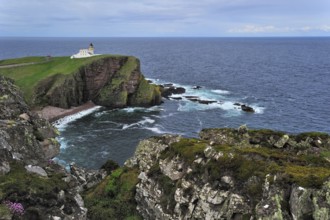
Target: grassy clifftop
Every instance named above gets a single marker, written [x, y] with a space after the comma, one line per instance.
[29, 71]
[108, 80]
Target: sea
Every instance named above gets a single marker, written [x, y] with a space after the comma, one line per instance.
[286, 81]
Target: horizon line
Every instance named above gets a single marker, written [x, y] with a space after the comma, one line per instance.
[293, 36]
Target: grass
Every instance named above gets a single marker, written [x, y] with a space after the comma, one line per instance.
[23, 60]
[18, 185]
[113, 198]
[188, 148]
[27, 77]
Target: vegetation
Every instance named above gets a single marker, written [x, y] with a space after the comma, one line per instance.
[18, 185]
[249, 165]
[187, 148]
[113, 198]
[28, 76]
[145, 94]
[24, 60]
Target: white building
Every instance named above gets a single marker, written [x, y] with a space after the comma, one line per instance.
[83, 53]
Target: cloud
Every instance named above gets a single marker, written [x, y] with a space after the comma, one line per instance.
[250, 29]
[162, 17]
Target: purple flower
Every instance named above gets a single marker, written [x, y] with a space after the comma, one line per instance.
[15, 208]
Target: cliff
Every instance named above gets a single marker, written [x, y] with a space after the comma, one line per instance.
[108, 80]
[226, 174]
[32, 186]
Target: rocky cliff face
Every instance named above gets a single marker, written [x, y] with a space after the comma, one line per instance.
[110, 81]
[234, 174]
[24, 136]
[28, 177]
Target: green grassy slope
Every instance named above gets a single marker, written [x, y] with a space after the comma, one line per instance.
[27, 77]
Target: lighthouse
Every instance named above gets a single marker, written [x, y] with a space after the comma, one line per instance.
[91, 49]
[83, 53]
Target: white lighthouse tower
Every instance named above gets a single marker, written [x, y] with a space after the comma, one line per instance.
[83, 53]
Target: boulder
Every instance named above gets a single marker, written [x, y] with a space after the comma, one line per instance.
[168, 91]
[36, 169]
[247, 108]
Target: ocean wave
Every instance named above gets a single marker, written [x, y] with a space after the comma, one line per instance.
[221, 92]
[63, 143]
[156, 130]
[141, 109]
[62, 123]
[146, 120]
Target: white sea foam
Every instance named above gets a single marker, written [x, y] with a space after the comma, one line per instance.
[146, 120]
[63, 122]
[64, 144]
[258, 110]
[156, 130]
[221, 92]
[141, 109]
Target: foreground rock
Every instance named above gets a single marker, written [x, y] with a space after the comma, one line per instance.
[229, 174]
[28, 176]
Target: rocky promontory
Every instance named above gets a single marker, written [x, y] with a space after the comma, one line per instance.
[109, 81]
[224, 174]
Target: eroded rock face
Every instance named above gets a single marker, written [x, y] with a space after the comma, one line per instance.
[233, 174]
[24, 136]
[111, 81]
[27, 145]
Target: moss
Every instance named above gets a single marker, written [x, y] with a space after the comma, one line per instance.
[113, 94]
[303, 136]
[17, 185]
[307, 176]
[4, 212]
[113, 198]
[146, 94]
[110, 166]
[187, 148]
[266, 132]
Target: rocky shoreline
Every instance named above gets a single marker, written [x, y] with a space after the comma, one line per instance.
[224, 174]
[52, 113]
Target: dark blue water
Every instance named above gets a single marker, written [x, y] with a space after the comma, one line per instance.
[285, 79]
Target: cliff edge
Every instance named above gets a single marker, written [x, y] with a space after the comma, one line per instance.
[32, 186]
[108, 80]
[225, 174]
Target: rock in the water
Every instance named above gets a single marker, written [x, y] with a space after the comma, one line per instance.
[168, 91]
[206, 102]
[247, 108]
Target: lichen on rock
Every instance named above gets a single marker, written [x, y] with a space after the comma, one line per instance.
[233, 174]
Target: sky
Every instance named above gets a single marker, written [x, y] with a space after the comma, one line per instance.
[164, 18]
